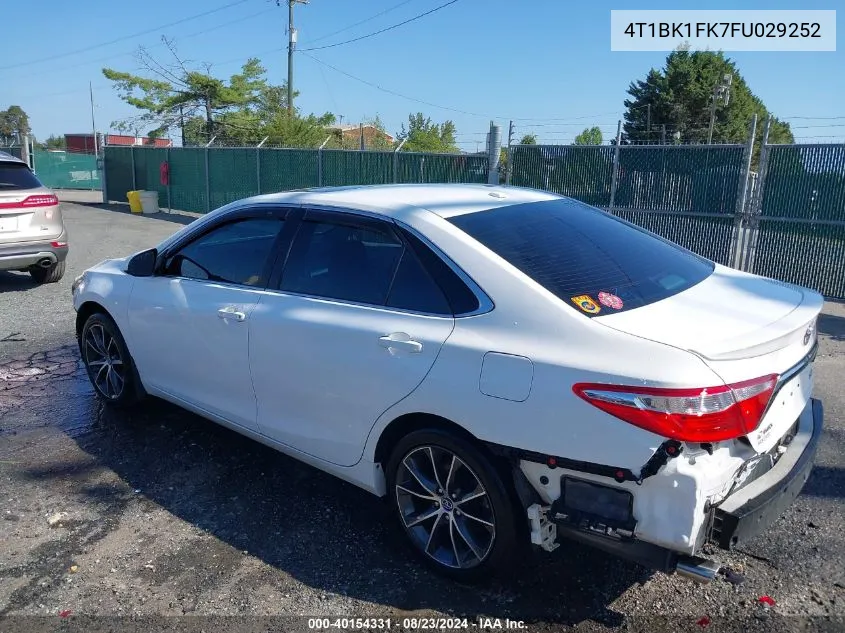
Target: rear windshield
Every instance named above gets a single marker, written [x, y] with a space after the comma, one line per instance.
[593, 261]
[17, 176]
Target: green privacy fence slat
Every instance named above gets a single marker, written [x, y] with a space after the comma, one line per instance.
[286, 169]
[66, 170]
[804, 253]
[118, 171]
[696, 179]
[238, 168]
[427, 168]
[580, 172]
[709, 237]
[805, 182]
[342, 167]
[235, 173]
[187, 179]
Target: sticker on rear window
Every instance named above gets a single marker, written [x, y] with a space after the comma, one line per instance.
[586, 303]
[610, 300]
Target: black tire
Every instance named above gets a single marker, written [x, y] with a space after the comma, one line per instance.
[48, 275]
[495, 506]
[100, 334]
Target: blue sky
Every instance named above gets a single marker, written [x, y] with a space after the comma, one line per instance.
[546, 63]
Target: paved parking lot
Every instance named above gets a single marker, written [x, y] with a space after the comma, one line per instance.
[165, 514]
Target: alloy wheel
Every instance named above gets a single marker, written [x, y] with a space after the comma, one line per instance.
[104, 361]
[445, 508]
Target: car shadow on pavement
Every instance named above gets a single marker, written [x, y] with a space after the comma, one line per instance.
[316, 529]
[16, 282]
[832, 326]
[178, 217]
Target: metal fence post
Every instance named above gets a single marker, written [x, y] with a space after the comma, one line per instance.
[207, 183]
[169, 179]
[422, 168]
[396, 160]
[320, 162]
[741, 224]
[258, 163]
[749, 249]
[614, 178]
[103, 181]
[132, 155]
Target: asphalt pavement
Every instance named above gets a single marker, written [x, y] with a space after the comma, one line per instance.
[156, 515]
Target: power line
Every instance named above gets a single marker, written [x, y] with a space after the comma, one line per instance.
[125, 37]
[814, 118]
[384, 30]
[180, 38]
[351, 26]
[435, 105]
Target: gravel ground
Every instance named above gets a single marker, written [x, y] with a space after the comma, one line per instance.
[158, 513]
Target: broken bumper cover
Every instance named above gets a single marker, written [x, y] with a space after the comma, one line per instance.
[754, 507]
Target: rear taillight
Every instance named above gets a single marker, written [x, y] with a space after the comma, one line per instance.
[48, 200]
[40, 200]
[711, 414]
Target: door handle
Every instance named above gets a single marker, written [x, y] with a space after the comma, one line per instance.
[231, 312]
[400, 340]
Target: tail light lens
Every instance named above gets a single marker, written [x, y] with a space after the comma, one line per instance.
[41, 200]
[711, 414]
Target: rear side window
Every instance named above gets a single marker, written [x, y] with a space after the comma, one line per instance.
[594, 262]
[17, 176]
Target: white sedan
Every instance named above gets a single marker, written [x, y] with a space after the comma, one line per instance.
[504, 365]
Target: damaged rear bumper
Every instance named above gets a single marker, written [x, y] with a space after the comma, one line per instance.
[754, 507]
[601, 514]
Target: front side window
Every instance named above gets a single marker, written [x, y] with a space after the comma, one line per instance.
[594, 262]
[236, 253]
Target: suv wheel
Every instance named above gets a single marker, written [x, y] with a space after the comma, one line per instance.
[451, 504]
[49, 275]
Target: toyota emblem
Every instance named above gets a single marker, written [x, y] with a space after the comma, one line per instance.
[808, 334]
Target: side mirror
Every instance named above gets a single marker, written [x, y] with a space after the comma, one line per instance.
[143, 264]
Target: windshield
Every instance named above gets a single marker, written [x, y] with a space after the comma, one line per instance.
[593, 261]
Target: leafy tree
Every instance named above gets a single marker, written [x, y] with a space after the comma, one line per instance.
[14, 123]
[680, 95]
[54, 142]
[528, 139]
[425, 136]
[176, 92]
[590, 136]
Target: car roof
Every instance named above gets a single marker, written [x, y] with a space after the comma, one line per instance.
[445, 200]
[8, 158]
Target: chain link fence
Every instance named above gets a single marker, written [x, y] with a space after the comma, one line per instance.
[204, 178]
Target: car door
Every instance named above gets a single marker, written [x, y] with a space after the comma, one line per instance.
[352, 328]
[190, 322]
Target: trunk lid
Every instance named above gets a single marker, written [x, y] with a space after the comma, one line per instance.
[743, 327]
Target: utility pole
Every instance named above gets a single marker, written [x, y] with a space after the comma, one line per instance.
[291, 48]
[182, 124]
[720, 91]
[509, 165]
[648, 121]
[93, 124]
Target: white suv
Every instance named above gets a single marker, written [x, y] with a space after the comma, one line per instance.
[33, 237]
